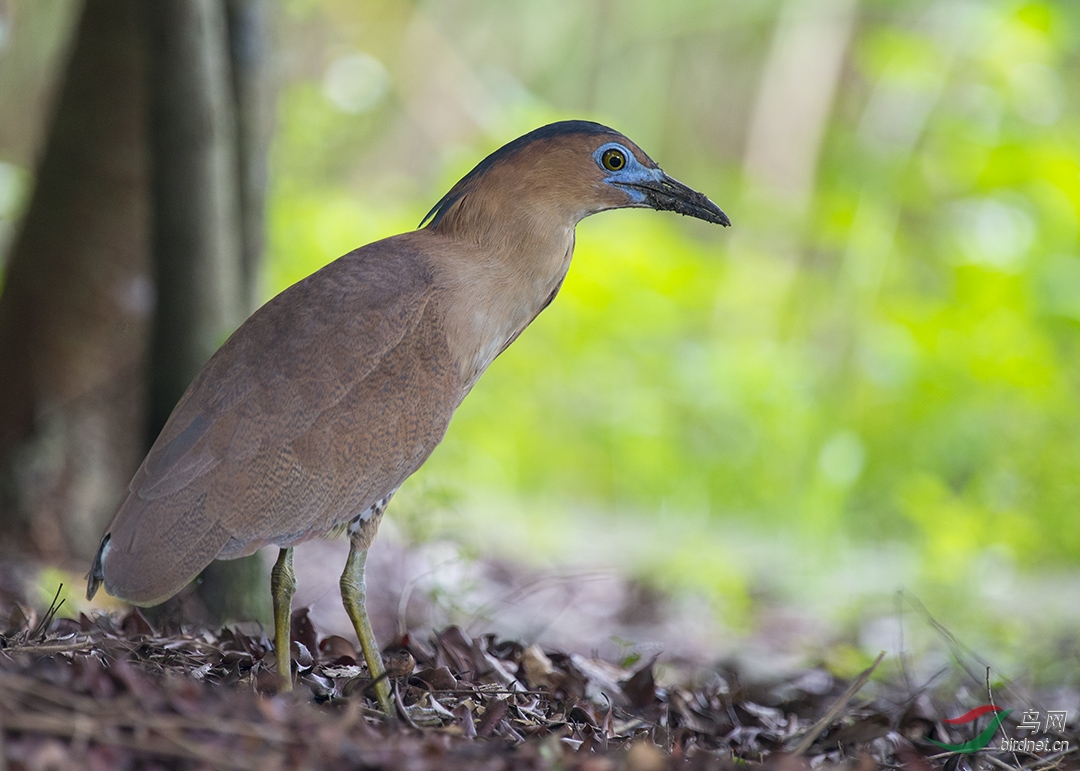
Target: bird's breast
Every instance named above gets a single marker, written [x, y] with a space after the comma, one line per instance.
[491, 289]
[497, 322]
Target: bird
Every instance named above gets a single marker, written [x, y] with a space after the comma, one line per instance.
[317, 408]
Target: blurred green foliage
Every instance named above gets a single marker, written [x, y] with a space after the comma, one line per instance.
[893, 358]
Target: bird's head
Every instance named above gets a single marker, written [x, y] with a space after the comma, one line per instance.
[570, 170]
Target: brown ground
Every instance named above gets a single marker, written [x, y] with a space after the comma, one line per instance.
[114, 692]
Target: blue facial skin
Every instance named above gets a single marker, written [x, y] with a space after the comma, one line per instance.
[633, 173]
[652, 188]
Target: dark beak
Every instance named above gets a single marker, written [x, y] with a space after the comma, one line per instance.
[667, 194]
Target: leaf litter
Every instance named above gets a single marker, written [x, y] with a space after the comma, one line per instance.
[117, 692]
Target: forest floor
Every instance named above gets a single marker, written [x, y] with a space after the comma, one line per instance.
[115, 691]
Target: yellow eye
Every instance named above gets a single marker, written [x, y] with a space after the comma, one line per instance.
[613, 160]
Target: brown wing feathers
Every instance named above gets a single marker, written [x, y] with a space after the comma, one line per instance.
[307, 415]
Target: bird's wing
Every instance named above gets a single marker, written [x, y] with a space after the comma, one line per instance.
[294, 359]
[304, 414]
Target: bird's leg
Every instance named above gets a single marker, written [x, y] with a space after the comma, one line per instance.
[354, 596]
[282, 588]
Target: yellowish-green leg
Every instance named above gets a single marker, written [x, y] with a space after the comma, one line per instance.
[354, 596]
[282, 589]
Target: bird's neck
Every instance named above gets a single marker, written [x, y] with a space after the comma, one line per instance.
[494, 284]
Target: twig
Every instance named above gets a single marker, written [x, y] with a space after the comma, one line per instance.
[29, 686]
[818, 727]
[901, 647]
[3, 749]
[1050, 761]
[990, 699]
[956, 648]
[124, 716]
[410, 585]
[492, 689]
[214, 759]
[47, 724]
[519, 593]
[401, 706]
[30, 647]
[47, 616]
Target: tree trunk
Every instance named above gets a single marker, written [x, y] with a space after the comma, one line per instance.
[154, 166]
[196, 235]
[202, 274]
[76, 302]
[249, 36]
